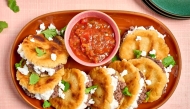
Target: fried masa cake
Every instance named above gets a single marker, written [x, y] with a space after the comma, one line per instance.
[44, 88]
[134, 81]
[53, 59]
[75, 97]
[152, 73]
[108, 94]
[145, 40]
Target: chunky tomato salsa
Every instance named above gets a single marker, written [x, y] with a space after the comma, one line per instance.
[92, 39]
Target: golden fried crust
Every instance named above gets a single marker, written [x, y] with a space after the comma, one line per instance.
[150, 41]
[75, 95]
[103, 95]
[44, 84]
[56, 46]
[132, 80]
[154, 73]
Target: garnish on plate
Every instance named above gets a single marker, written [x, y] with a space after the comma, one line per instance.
[49, 33]
[169, 60]
[46, 104]
[19, 64]
[66, 84]
[126, 91]
[40, 52]
[34, 78]
[137, 53]
[87, 90]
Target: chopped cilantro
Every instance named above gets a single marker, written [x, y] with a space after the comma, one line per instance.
[40, 52]
[62, 31]
[3, 25]
[137, 53]
[13, 5]
[34, 78]
[152, 55]
[49, 33]
[126, 91]
[66, 84]
[46, 104]
[169, 60]
[114, 58]
[19, 64]
[147, 95]
[87, 90]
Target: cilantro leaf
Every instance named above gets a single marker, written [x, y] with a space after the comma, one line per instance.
[87, 90]
[49, 33]
[66, 84]
[34, 78]
[40, 52]
[126, 91]
[114, 58]
[13, 6]
[19, 64]
[46, 104]
[169, 60]
[137, 53]
[3, 25]
[152, 55]
[147, 95]
[62, 31]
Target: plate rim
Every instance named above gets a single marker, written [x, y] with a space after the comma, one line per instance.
[106, 11]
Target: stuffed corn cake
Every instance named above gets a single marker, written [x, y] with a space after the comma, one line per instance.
[75, 96]
[155, 77]
[134, 82]
[148, 41]
[109, 92]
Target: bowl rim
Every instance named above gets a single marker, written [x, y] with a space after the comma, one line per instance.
[98, 14]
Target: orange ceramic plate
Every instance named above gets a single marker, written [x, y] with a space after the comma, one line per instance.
[124, 20]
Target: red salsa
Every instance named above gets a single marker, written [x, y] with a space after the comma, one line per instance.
[92, 39]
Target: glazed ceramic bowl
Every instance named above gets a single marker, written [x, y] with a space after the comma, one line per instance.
[96, 14]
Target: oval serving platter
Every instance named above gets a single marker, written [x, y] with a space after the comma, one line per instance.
[124, 19]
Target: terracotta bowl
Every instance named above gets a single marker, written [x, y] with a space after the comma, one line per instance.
[96, 14]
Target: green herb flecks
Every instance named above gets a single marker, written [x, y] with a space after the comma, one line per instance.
[49, 33]
[3, 25]
[169, 60]
[40, 52]
[152, 55]
[19, 64]
[126, 92]
[147, 95]
[87, 90]
[62, 31]
[114, 58]
[66, 84]
[137, 53]
[13, 5]
[46, 104]
[34, 78]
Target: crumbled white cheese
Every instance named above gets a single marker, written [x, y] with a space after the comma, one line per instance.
[159, 34]
[32, 40]
[123, 73]
[168, 69]
[91, 101]
[61, 94]
[138, 38]
[50, 38]
[39, 69]
[148, 82]
[143, 53]
[58, 32]
[38, 31]
[44, 96]
[51, 26]
[61, 86]
[92, 90]
[23, 70]
[53, 56]
[20, 51]
[83, 104]
[153, 51]
[85, 76]
[42, 26]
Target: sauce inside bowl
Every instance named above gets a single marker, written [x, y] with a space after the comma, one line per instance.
[92, 39]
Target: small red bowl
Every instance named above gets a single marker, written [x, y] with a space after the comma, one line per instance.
[96, 14]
